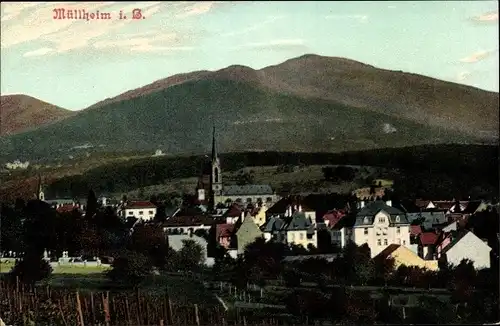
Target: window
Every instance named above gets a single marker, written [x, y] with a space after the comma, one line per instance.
[130, 213]
[379, 242]
[398, 230]
[366, 220]
[382, 219]
[249, 200]
[238, 200]
[150, 212]
[385, 242]
[366, 231]
[216, 175]
[268, 199]
[141, 212]
[301, 236]
[404, 242]
[398, 219]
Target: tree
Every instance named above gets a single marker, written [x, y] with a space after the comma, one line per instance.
[384, 267]
[130, 267]
[91, 208]
[151, 241]
[191, 255]
[31, 269]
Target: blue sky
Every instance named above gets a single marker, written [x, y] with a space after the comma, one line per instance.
[74, 63]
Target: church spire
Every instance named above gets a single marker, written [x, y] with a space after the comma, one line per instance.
[214, 146]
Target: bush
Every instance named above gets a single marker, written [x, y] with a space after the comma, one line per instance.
[131, 267]
[31, 269]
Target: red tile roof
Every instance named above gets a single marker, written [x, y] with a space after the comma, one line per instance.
[140, 204]
[333, 217]
[67, 208]
[234, 211]
[224, 230]
[415, 230]
[428, 238]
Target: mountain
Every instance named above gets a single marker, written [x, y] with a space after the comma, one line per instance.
[310, 103]
[402, 95]
[21, 112]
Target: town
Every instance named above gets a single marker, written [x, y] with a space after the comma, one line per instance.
[250, 237]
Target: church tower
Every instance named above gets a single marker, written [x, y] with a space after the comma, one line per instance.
[216, 173]
[40, 195]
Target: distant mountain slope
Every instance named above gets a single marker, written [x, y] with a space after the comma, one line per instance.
[402, 95]
[179, 120]
[19, 113]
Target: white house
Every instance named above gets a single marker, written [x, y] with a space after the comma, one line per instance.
[467, 246]
[143, 210]
[378, 224]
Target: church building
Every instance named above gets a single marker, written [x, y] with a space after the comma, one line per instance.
[217, 194]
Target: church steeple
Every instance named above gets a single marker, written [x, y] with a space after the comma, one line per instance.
[39, 191]
[216, 175]
[214, 146]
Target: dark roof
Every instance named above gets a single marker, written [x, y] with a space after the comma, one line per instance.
[250, 190]
[233, 211]
[471, 207]
[190, 221]
[387, 251]
[319, 203]
[273, 224]
[372, 208]
[299, 221]
[366, 215]
[347, 221]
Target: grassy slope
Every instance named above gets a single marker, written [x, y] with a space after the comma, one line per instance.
[21, 112]
[179, 120]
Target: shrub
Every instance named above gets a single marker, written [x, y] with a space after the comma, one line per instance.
[30, 269]
[131, 267]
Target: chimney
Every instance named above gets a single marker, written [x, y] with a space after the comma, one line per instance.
[300, 208]
[104, 201]
[388, 203]
[362, 204]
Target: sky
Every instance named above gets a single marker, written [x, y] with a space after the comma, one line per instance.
[76, 63]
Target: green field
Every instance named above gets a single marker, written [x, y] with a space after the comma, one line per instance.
[5, 267]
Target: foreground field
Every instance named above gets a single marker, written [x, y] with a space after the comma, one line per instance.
[6, 266]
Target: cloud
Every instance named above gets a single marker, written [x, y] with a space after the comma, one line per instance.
[463, 76]
[360, 18]
[269, 20]
[145, 42]
[476, 57]
[33, 23]
[491, 16]
[275, 45]
[196, 9]
[39, 52]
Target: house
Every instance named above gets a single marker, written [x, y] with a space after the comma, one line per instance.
[142, 210]
[247, 233]
[415, 231]
[341, 231]
[404, 256]
[467, 246]
[296, 229]
[176, 242]
[224, 234]
[189, 224]
[427, 242]
[378, 224]
[300, 230]
[67, 208]
[273, 229]
[259, 215]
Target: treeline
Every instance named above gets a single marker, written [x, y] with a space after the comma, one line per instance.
[434, 170]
